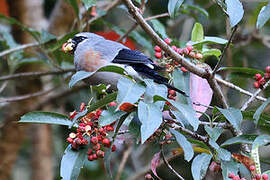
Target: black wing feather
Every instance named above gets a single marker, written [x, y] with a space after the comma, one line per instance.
[127, 56]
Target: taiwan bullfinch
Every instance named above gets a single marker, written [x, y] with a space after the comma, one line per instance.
[92, 52]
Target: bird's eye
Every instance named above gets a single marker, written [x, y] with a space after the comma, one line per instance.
[69, 41]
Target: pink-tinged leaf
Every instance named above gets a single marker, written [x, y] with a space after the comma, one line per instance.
[200, 93]
[154, 163]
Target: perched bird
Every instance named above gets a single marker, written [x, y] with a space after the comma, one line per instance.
[92, 52]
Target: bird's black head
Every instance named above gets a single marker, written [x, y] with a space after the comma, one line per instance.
[71, 44]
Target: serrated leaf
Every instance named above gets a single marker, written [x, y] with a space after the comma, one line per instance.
[184, 143]
[78, 76]
[263, 16]
[234, 116]
[214, 133]
[109, 116]
[173, 7]
[89, 3]
[197, 33]
[246, 139]
[228, 167]
[187, 113]
[128, 91]
[259, 111]
[154, 163]
[45, 118]
[199, 165]
[159, 28]
[235, 11]
[151, 118]
[72, 162]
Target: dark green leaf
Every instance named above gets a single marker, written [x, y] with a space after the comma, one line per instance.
[214, 133]
[211, 52]
[264, 121]
[141, 40]
[173, 7]
[184, 143]
[102, 102]
[80, 75]
[246, 138]
[259, 111]
[159, 28]
[151, 118]
[109, 116]
[249, 71]
[45, 118]
[228, 167]
[234, 116]
[263, 16]
[223, 154]
[199, 165]
[128, 91]
[197, 33]
[260, 141]
[46, 36]
[72, 162]
[235, 11]
[89, 3]
[197, 8]
[54, 46]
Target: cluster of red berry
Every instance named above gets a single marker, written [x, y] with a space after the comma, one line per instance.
[255, 177]
[185, 51]
[89, 129]
[260, 81]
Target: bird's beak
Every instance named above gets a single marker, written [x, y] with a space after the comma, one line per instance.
[68, 46]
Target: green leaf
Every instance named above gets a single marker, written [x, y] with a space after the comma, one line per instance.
[234, 116]
[46, 36]
[141, 40]
[173, 7]
[199, 165]
[187, 113]
[128, 91]
[74, 4]
[259, 111]
[184, 143]
[235, 11]
[45, 118]
[102, 102]
[151, 118]
[211, 52]
[263, 16]
[58, 44]
[214, 133]
[159, 28]
[89, 3]
[197, 8]
[223, 154]
[79, 75]
[197, 33]
[246, 139]
[109, 116]
[228, 167]
[260, 141]
[72, 162]
[264, 121]
[181, 81]
[209, 40]
[249, 71]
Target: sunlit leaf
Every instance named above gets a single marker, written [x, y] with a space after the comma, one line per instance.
[173, 7]
[200, 165]
[159, 28]
[263, 16]
[259, 111]
[228, 167]
[78, 76]
[214, 132]
[246, 138]
[234, 116]
[109, 116]
[235, 11]
[197, 33]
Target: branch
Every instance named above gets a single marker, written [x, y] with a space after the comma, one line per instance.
[168, 165]
[244, 107]
[8, 51]
[123, 162]
[231, 85]
[34, 74]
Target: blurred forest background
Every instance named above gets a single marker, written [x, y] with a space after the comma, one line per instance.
[34, 151]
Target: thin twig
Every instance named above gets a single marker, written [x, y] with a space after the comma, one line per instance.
[123, 162]
[168, 165]
[34, 74]
[4, 85]
[244, 107]
[231, 85]
[8, 51]
[224, 50]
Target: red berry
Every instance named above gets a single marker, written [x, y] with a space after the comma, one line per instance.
[183, 69]
[72, 114]
[148, 176]
[176, 63]
[189, 47]
[157, 49]
[94, 156]
[109, 128]
[243, 179]
[186, 51]
[267, 76]
[96, 147]
[174, 48]
[100, 153]
[265, 176]
[267, 69]
[168, 41]
[112, 103]
[106, 142]
[180, 51]
[236, 178]
[258, 77]
[252, 168]
[231, 175]
[90, 152]
[258, 177]
[78, 141]
[261, 81]
[90, 158]
[256, 84]
[82, 106]
[98, 112]
[158, 55]
[74, 146]
[198, 56]
[94, 140]
[70, 140]
[172, 92]
[192, 54]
